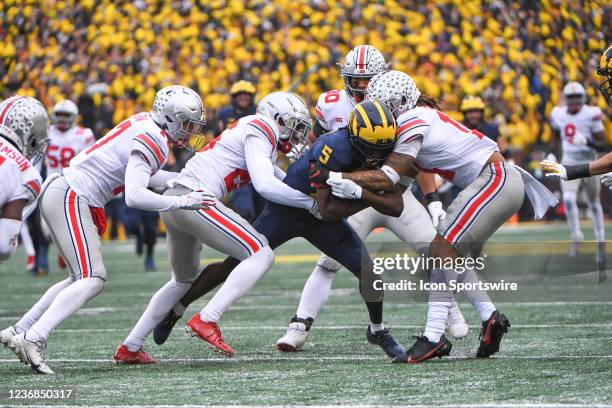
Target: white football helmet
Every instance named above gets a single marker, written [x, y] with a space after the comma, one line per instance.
[395, 89]
[64, 114]
[29, 121]
[291, 114]
[179, 111]
[363, 61]
[575, 96]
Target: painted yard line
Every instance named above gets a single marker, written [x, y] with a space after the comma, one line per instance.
[482, 405]
[93, 310]
[362, 357]
[349, 327]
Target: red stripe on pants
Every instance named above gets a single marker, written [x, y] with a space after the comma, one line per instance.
[78, 237]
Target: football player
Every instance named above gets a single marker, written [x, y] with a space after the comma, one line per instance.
[492, 192]
[245, 152]
[580, 128]
[127, 159]
[604, 164]
[23, 139]
[369, 139]
[413, 227]
[66, 140]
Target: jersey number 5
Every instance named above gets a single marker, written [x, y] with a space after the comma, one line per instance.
[325, 154]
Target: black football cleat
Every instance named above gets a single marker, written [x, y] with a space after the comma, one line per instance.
[423, 349]
[164, 328]
[491, 334]
[384, 340]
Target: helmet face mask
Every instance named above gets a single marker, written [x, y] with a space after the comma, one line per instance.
[179, 111]
[372, 130]
[29, 122]
[64, 114]
[360, 65]
[605, 70]
[575, 96]
[292, 117]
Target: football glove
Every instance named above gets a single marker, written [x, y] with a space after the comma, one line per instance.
[606, 180]
[317, 175]
[554, 169]
[345, 188]
[314, 211]
[436, 212]
[196, 200]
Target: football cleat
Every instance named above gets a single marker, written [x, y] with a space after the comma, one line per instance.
[31, 263]
[210, 333]
[124, 356]
[575, 245]
[491, 335]
[423, 349]
[296, 335]
[456, 323]
[31, 353]
[150, 263]
[6, 337]
[164, 328]
[384, 340]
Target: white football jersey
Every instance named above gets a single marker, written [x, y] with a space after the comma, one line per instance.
[333, 109]
[18, 178]
[587, 121]
[63, 146]
[98, 173]
[220, 167]
[442, 145]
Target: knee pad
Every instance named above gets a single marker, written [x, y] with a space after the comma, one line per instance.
[266, 255]
[328, 264]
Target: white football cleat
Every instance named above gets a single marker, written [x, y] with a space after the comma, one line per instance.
[575, 245]
[31, 353]
[456, 323]
[6, 337]
[294, 339]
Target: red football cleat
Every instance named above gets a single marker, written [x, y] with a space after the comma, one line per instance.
[124, 356]
[60, 262]
[31, 262]
[210, 333]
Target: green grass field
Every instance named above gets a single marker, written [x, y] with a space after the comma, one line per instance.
[556, 353]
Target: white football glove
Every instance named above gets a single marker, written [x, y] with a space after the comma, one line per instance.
[297, 151]
[196, 200]
[345, 188]
[579, 139]
[314, 211]
[606, 180]
[436, 212]
[554, 169]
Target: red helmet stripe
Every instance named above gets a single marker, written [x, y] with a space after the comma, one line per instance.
[361, 59]
[8, 107]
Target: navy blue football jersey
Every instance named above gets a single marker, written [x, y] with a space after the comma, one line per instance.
[333, 150]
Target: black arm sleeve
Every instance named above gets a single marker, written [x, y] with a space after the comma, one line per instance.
[318, 129]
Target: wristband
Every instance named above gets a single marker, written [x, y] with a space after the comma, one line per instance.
[334, 175]
[578, 171]
[391, 173]
[431, 197]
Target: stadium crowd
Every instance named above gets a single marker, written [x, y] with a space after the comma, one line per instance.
[113, 56]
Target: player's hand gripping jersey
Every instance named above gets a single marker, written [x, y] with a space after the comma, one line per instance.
[577, 130]
[442, 145]
[65, 145]
[245, 152]
[98, 173]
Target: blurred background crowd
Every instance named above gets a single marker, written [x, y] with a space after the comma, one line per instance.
[110, 57]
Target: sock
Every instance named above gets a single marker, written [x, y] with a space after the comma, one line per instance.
[598, 221]
[374, 327]
[571, 213]
[316, 292]
[158, 307]
[440, 302]
[39, 307]
[179, 309]
[65, 304]
[375, 310]
[26, 240]
[149, 240]
[478, 298]
[238, 283]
